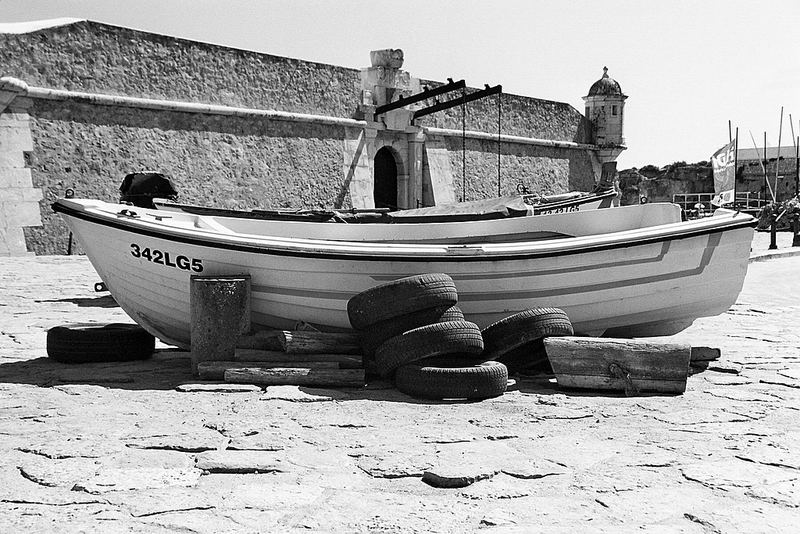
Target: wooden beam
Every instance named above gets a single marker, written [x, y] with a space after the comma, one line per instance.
[618, 364]
[459, 101]
[271, 356]
[311, 342]
[424, 95]
[216, 370]
[297, 377]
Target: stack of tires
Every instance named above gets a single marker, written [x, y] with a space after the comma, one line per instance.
[518, 340]
[412, 330]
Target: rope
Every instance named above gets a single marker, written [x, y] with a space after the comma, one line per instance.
[617, 371]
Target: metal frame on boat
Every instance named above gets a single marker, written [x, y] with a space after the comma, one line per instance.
[628, 271]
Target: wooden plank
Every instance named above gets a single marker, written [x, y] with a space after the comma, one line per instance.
[618, 384]
[255, 355]
[297, 377]
[705, 354]
[216, 370]
[311, 342]
[623, 364]
[263, 340]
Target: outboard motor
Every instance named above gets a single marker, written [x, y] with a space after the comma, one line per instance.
[140, 188]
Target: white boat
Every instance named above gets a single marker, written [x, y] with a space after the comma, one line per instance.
[627, 271]
[436, 224]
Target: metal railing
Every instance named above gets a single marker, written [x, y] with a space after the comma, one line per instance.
[697, 205]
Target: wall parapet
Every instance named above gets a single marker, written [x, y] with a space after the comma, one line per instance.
[213, 109]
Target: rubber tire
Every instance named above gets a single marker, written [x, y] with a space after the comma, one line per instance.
[524, 327]
[92, 343]
[482, 381]
[453, 313]
[401, 297]
[451, 337]
[377, 334]
[527, 359]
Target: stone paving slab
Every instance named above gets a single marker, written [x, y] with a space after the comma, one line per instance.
[140, 447]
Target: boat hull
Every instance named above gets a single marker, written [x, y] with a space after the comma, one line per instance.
[640, 283]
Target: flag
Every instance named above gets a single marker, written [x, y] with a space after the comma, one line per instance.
[723, 162]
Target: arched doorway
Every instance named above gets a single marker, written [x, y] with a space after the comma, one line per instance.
[385, 179]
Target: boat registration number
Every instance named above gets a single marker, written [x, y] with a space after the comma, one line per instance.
[164, 258]
[566, 209]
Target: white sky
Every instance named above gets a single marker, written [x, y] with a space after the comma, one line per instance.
[688, 67]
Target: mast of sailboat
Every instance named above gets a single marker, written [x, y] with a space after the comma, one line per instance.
[766, 176]
[735, 158]
[735, 163]
[796, 141]
[778, 157]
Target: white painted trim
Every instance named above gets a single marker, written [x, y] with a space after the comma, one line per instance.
[185, 107]
[212, 109]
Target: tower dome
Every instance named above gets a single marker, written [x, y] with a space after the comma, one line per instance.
[605, 112]
[605, 86]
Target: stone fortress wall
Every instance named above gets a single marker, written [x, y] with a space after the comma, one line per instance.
[238, 159]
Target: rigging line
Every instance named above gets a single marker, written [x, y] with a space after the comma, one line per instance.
[463, 145]
[498, 143]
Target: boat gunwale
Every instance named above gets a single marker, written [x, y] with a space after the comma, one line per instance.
[432, 252]
[285, 215]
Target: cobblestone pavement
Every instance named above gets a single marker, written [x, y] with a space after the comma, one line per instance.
[124, 448]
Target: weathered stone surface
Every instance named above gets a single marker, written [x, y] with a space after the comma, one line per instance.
[219, 388]
[455, 477]
[793, 374]
[129, 472]
[237, 462]
[160, 501]
[258, 442]
[195, 440]
[736, 473]
[497, 487]
[786, 494]
[724, 453]
[534, 469]
[398, 465]
[301, 394]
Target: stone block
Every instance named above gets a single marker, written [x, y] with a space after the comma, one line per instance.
[398, 119]
[11, 177]
[16, 214]
[388, 57]
[15, 135]
[20, 194]
[12, 241]
[14, 159]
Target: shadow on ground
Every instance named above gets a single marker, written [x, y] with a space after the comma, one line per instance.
[106, 301]
[169, 368]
